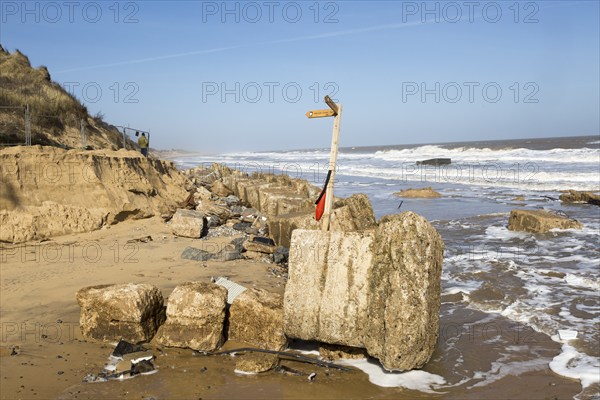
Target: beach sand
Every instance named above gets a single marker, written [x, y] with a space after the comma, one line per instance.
[39, 318]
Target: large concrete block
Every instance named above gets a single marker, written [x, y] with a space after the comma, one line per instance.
[573, 196]
[281, 227]
[249, 192]
[195, 317]
[352, 214]
[271, 200]
[539, 221]
[404, 292]
[220, 189]
[295, 204]
[375, 289]
[325, 296]
[256, 317]
[189, 223]
[132, 312]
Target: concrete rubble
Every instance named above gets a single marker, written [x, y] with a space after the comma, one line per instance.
[132, 312]
[256, 318]
[362, 288]
[189, 223]
[540, 221]
[195, 317]
[377, 289]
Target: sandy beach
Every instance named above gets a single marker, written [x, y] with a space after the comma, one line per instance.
[40, 321]
[300, 200]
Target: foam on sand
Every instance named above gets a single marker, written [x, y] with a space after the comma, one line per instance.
[575, 365]
[414, 380]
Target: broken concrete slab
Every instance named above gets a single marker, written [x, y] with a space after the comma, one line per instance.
[404, 292]
[540, 221]
[132, 312]
[574, 196]
[260, 245]
[376, 289]
[281, 227]
[357, 214]
[220, 189]
[255, 363]
[325, 296]
[189, 223]
[216, 213]
[192, 253]
[195, 317]
[256, 318]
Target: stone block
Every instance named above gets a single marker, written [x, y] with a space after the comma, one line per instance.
[132, 312]
[539, 221]
[189, 223]
[256, 318]
[195, 317]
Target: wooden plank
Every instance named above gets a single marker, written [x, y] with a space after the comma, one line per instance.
[332, 166]
[320, 113]
[331, 104]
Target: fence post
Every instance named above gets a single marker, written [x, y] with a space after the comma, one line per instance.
[82, 134]
[27, 126]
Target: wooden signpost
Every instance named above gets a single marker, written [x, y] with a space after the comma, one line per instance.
[334, 111]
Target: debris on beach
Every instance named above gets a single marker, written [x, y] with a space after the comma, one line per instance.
[195, 317]
[192, 253]
[427, 193]
[260, 215]
[233, 289]
[574, 196]
[131, 312]
[143, 239]
[435, 161]
[124, 347]
[389, 269]
[283, 355]
[127, 360]
[189, 223]
[257, 247]
[256, 318]
[540, 221]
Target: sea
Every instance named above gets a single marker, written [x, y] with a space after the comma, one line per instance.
[500, 289]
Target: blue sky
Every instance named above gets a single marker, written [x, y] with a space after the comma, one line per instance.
[231, 76]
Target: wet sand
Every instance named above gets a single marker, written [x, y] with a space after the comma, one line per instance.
[39, 318]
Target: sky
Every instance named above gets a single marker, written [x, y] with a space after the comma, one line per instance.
[215, 76]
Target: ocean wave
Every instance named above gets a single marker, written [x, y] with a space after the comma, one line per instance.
[582, 281]
[575, 365]
[552, 170]
[578, 156]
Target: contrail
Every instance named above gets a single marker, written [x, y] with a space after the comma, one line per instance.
[157, 58]
[288, 40]
[221, 49]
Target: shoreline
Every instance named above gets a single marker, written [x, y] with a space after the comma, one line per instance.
[40, 292]
[477, 355]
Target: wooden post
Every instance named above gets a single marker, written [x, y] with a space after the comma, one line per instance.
[335, 111]
[332, 167]
[27, 126]
[82, 125]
